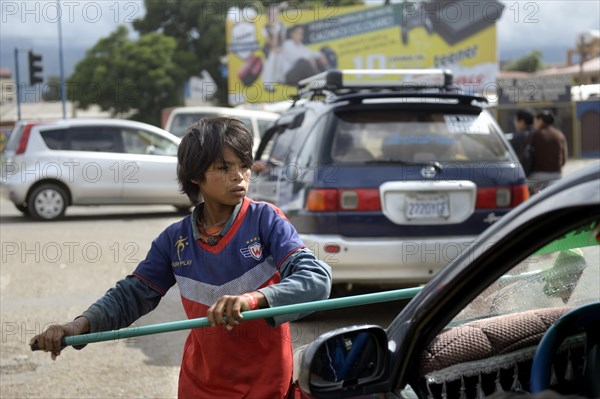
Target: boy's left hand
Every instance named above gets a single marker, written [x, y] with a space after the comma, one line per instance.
[229, 306]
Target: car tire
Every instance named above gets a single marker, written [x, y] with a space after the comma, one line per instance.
[47, 202]
[23, 209]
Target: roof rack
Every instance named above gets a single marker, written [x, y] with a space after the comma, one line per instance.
[348, 80]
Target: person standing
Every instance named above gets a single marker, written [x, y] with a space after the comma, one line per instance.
[550, 152]
[522, 141]
[231, 255]
[274, 33]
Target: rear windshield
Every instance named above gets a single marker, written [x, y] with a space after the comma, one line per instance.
[181, 122]
[414, 137]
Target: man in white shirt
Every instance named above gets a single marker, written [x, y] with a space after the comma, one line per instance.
[299, 61]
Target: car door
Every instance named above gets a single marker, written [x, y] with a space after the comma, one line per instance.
[150, 173]
[93, 155]
[278, 152]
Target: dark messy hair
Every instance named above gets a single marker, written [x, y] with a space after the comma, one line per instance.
[203, 145]
[525, 116]
[546, 116]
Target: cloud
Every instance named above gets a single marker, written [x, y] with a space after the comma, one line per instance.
[82, 22]
[531, 25]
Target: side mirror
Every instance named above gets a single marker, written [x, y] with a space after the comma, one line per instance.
[344, 363]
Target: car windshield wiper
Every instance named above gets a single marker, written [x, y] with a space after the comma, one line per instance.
[395, 160]
[435, 164]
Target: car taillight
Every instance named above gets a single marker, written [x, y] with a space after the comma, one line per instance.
[520, 194]
[501, 197]
[24, 140]
[322, 200]
[332, 200]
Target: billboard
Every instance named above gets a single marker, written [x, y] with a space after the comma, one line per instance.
[270, 50]
[554, 88]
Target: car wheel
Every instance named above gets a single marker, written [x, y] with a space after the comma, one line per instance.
[47, 202]
[23, 209]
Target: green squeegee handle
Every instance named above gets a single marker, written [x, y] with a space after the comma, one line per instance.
[306, 307]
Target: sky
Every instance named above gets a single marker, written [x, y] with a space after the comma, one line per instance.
[551, 26]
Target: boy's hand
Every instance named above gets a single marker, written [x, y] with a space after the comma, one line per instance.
[232, 306]
[50, 339]
[229, 306]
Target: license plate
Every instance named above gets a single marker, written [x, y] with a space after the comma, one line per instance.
[427, 206]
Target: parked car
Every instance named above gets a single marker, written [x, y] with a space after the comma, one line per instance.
[518, 311]
[50, 165]
[181, 118]
[387, 182]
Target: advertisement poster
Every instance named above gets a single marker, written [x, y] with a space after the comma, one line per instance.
[269, 51]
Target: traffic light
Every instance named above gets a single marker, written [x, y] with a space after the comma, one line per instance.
[35, 67]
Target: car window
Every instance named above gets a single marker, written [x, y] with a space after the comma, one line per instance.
[14, 137]
[181, 122]
[138, 141]
[55, 139]
[288, 144]
[490, 344]
[95, 138]
[307, 154]
[563, 274]
[281, 146]
[263, 125]
[416, 136]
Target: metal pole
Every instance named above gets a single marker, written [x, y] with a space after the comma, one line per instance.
[18, 84]
[306, 307]
[63, 91]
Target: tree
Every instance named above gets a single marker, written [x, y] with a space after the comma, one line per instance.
[531, 62]
[124, 76]
[198, 28]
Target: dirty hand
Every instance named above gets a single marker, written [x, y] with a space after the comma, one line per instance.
[230, 307]
[50, 339]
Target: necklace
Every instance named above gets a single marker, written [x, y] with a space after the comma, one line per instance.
[208, 226]
[212, 239]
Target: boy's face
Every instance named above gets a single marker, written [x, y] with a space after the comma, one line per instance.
[226, 184]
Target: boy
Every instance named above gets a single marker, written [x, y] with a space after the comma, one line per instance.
[231, 255]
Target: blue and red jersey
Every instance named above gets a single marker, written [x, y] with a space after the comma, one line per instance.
[254, 360]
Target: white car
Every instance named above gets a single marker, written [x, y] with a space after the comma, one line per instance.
[181, 118]
[49, 165]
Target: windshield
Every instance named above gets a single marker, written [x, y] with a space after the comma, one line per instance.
[411, 136]
[564, 273]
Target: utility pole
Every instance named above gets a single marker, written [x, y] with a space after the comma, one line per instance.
[63, 91]
[582, 55]
[18, 84]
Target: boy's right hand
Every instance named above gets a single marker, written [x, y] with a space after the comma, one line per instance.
[50, 339]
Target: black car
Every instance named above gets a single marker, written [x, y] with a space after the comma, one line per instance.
[517, 312]
[388, 175]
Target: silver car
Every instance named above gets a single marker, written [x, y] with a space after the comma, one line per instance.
[49, 165]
